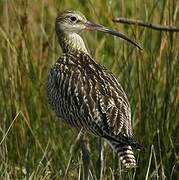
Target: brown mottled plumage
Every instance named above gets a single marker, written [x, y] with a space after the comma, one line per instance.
[85, 94]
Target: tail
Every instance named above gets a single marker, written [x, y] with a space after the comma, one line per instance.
[125, 154]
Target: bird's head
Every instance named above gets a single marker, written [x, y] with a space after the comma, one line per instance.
[70, 22]
[74, 22]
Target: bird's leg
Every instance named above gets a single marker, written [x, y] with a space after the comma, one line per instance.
[101, 158]
[85, 158]
[100, 161]
[73, 150]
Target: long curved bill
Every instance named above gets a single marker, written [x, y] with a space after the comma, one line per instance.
[96, 27]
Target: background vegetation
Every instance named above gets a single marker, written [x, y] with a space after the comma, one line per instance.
[33, 144]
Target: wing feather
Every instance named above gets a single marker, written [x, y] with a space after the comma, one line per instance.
[112, 98]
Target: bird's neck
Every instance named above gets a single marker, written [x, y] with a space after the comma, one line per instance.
[70, 42]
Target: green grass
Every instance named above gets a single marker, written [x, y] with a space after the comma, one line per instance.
[33, 144]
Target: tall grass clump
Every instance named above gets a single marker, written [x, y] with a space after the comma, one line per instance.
[33, 144]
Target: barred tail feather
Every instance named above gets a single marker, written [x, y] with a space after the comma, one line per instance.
[125, 154]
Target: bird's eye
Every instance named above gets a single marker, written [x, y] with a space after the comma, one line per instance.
[73, 18]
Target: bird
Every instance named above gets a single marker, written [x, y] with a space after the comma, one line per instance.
[86, 95]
